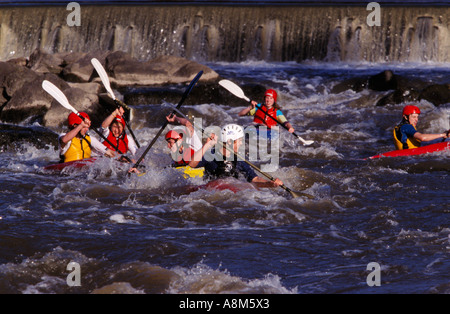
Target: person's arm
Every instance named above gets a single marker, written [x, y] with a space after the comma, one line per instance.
[118, 112]
[198, 155]
[174, 119]
[252, 177]
[282, 119]
[263, 183]
[72, 133]
[246, 110]
[430, 137]
[101, 149]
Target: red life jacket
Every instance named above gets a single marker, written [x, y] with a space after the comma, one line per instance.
[262, 118]
[185, 158]
[122, 142]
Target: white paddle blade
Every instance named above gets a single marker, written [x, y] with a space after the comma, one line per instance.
[56, 93]
[305, 142]
[234, 89]
[103, 76]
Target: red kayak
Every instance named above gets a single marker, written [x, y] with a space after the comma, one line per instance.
[433, 148]
[230, 184]
[76, 164]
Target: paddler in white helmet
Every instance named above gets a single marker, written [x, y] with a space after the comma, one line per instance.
[223, 163]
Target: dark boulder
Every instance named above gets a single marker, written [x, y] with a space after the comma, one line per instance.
[383, 81]
[436, 94]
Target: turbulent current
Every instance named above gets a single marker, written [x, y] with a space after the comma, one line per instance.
[155, 234]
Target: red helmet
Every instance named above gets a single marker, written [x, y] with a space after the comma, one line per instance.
[173, 135]
[272, 93]
[75, 119]
[120, 120]
[410, 109]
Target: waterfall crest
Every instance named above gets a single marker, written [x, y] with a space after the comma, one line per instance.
[234, 34]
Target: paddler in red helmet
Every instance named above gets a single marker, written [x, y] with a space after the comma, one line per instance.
[261, 112]
[406, 135]
[181, 153]
[76, 144]
[113, 128]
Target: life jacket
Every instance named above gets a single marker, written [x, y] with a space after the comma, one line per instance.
[262, 118]
[185, 158]
[121, 142]
[80, 148]
[410, 142]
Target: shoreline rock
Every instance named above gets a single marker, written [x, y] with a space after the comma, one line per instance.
[22, 96]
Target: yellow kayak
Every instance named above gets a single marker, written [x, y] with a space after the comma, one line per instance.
[189, 172]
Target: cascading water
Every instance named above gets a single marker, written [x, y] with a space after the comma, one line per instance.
[226, 33]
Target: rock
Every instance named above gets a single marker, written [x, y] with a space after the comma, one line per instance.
[355, 84]
[125, 71]
[42, 62]
[399, 96]
[383, 81]
[13, 135]
[30, 100]
[437, 94]
[14, 77]
[81, 70]
[90, 88]
[82, 101]
[22, 96]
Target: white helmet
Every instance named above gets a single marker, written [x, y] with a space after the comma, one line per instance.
[232, 132]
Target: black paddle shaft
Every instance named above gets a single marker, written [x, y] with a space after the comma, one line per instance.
[186, 93]
[124, 106]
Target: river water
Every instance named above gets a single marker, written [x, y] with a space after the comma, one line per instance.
[150, 234]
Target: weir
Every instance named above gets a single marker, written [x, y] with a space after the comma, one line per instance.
[234, 34]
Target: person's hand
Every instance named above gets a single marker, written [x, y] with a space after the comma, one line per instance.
[134, 170]
[253, 104]
[171, 118]
[110, 153]
[119, 112]
[86, 123]
[212, 140]
[291, 130]
[277, 182]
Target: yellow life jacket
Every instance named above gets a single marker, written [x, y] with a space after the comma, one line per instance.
[191, 172]
[410, 142]
[79, 149]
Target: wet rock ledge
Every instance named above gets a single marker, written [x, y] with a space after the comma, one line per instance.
[22, 99]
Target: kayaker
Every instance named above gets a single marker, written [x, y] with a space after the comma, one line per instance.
[406, 135]
[186, 130]
[113, 128]
[180, 151]
[271, 109]
[222, 163]
[76, 144]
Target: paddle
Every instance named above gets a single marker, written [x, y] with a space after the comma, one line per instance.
[237, 156]
[183, 98]
[104, 77]
[238, 92]
[56, 93]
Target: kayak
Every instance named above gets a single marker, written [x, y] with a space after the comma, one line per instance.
[76, 164]
[189, 172]
[231, 184]
[433, 148]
